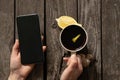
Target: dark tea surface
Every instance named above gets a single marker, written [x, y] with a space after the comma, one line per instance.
[71, 32]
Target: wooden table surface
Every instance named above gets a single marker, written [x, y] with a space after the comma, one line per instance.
[100, 18]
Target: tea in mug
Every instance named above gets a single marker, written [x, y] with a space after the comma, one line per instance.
[73, 37]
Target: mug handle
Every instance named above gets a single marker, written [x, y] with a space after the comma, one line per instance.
[73, 53]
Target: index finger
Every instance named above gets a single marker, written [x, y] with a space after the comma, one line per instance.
[73, 61]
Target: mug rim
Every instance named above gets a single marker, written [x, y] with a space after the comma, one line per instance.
[78, 49]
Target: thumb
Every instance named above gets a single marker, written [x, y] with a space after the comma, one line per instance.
[73, 62]
[15, 48]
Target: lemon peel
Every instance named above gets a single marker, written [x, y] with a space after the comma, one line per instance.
[65, 21]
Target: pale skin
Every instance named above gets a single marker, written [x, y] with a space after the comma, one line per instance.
[74, 68]
[20, 72]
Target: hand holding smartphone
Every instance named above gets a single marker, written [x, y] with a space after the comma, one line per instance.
[29, 39]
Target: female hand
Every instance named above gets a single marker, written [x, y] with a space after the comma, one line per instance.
[17, 70]
[74, 68]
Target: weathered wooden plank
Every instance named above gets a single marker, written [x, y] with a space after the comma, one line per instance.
[55, 9]
[6, 35]
[89, 17]
[111, 39]
[30, 7]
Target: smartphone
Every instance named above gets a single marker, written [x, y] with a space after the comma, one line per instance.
[29, 39]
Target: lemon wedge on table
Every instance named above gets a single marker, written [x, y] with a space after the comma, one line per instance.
[65, 21]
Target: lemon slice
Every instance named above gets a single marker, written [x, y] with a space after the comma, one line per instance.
[65, 21]
[76, 38]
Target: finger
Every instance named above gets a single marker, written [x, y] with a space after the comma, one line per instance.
[19, 56]
[15, 47]
[79, 59]
[73, 57]
[42, 37]
[80, 64]
[44, 48]
[66, 59]
[73, 61]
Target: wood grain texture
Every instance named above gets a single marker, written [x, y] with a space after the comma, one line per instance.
[105, 35]
[24, 7]
[89, 17]
[111, 39]
[6, 36]
[55, 9]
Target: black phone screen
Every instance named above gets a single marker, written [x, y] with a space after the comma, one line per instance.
[29, 39]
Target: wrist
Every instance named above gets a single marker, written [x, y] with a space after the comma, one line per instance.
[69, 79]
[15, 76]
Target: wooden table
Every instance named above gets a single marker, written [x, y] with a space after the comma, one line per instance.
[101, 19]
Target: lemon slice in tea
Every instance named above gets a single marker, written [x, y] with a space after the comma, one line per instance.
[65, 21]
[76, 37]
